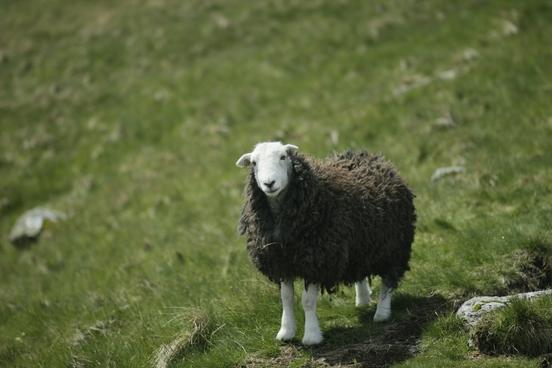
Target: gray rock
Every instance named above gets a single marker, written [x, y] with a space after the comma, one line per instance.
[28, 227]
[445, 171]
[446, 121]
[474, 309]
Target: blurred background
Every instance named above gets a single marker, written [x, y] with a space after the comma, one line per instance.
[122, 121]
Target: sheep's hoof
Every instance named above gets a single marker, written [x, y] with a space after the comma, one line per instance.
[312, 338]
[382, 315]
[285, 334]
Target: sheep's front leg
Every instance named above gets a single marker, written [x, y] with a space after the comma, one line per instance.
[362, 293]
[312, 335]
[383, 310]
[288, 327]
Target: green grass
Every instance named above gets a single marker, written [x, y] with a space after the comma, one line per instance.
[523, 327]
[129, 117]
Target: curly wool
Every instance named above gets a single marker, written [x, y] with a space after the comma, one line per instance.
[340, 220]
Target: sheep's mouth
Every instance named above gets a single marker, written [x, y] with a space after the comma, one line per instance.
[272, 192]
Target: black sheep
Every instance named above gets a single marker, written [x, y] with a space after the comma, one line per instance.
[332, 221]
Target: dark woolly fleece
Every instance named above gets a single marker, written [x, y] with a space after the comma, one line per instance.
[341, 219]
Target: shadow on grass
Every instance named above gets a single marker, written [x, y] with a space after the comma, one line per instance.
[382, 344]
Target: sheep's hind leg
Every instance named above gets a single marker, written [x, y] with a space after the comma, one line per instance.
[288, 326]
[383, 311]
[362, 293]
[312, 335]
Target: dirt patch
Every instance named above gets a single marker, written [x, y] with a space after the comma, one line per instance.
[287, 354]
[377, 352]
[369, 345]
[398, 341]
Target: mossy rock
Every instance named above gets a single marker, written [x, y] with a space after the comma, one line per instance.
[524, 327]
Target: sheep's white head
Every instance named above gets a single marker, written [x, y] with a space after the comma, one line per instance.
[271, 165]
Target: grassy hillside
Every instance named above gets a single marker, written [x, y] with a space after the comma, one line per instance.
[129, 116]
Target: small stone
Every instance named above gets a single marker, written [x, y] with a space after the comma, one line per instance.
[445, 171]
[221, 21]
[470, 54]
[334, 137]
[449, 74]
[446, 121]
[509, 28]
[161, 95]
[28, 227]
[411, 82]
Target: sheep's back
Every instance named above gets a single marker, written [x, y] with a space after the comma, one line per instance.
[366, 179]
[374, 210]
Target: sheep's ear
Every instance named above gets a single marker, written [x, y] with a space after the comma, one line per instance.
[291, 149]
[244, 161]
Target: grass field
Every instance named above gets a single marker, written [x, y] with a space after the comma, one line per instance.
[129, 116]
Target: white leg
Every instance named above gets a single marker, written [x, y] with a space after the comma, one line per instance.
[383, 311]
[288, 327]
[312, 335]
[362, 293]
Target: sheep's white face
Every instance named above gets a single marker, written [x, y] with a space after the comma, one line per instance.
[271, 164]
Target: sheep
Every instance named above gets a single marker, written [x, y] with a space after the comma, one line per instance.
[335, 221]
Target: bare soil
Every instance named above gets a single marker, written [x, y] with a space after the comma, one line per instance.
[360, 346]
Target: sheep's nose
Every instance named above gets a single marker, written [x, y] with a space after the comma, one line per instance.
[270, 184]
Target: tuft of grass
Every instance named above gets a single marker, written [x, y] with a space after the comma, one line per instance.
[197, 338]
[524, 327]
[534, 267]
[528, 268]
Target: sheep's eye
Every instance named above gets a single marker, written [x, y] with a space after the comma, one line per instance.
[283, 157]
[254, 163]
